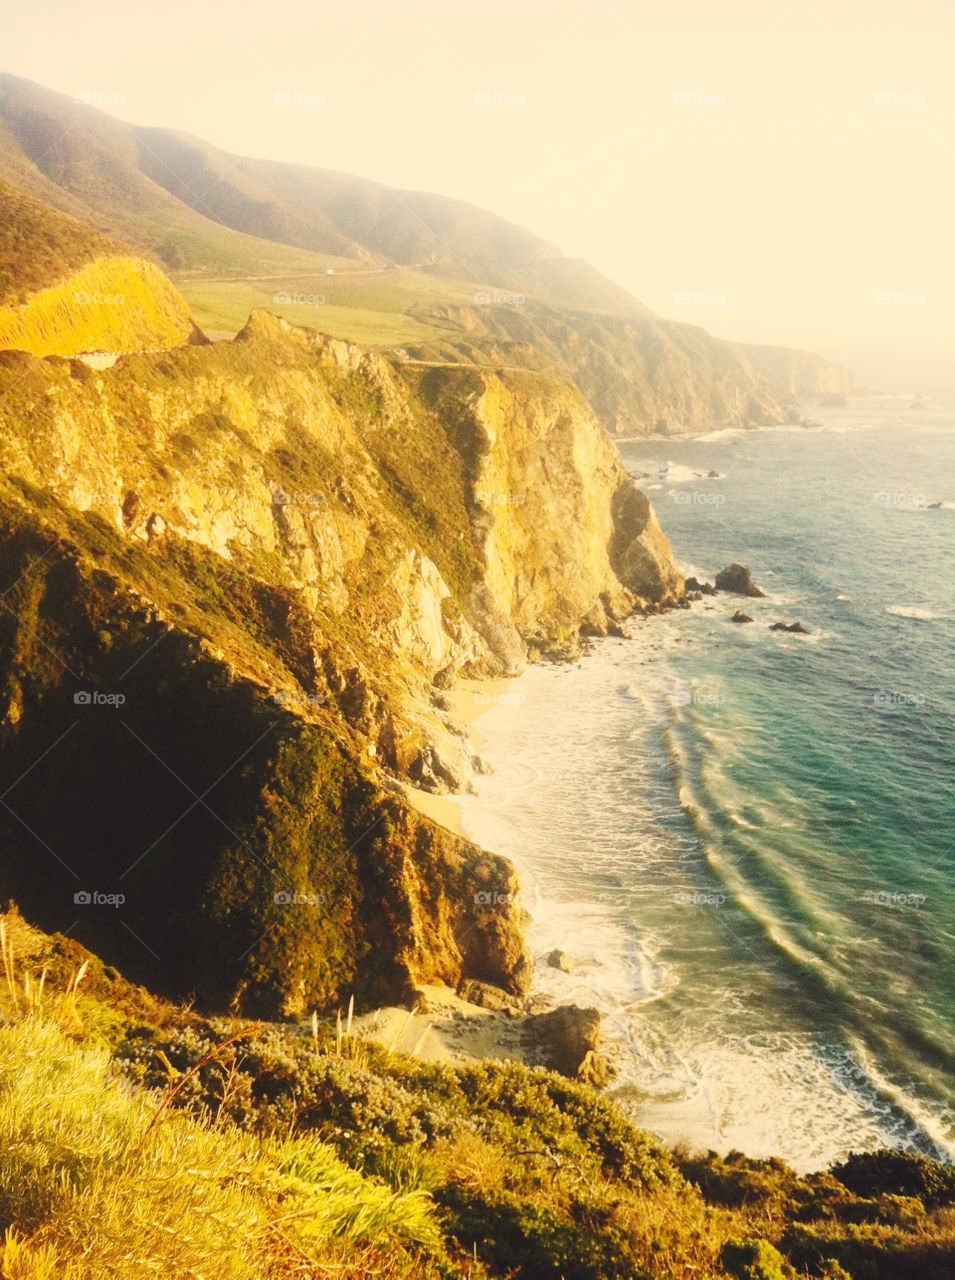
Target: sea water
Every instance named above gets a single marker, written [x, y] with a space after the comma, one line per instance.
[742, 838]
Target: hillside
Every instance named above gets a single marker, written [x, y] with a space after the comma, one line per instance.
[801, 373]
[38, 246]
[65, 289]
[139, 1139]
[291, 546]
[86, 164]
[238, 232]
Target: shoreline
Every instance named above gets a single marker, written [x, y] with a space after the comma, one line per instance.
[470, 699]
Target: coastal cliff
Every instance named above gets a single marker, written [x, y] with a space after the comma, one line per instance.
[237, 580]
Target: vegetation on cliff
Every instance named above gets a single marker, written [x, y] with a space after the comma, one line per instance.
[236, 580]
[137, 1137]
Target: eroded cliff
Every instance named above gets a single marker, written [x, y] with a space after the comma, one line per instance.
[236, 580]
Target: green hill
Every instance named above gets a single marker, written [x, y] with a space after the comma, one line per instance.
[39, 246]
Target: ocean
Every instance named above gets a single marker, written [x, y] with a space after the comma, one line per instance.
[743, 839]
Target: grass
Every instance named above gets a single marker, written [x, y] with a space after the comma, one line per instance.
[375, 308]
[97, 1180]
[368, 315]
[39, 245]
[229, 1150]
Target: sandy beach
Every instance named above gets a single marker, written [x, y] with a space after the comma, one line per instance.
[471, 699]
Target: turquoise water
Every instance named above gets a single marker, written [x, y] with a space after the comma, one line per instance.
[744, 838]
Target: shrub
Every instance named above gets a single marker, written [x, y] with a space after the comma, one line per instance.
[755, 1260]
[901, 1173]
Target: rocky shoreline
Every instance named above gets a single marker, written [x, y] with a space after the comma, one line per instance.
[479, 1022]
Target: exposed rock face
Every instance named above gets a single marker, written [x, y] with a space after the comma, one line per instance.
[274, 550]
[640, 373]
[800, 373]
[736, 578]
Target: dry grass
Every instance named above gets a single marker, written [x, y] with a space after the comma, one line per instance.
[98, 1180]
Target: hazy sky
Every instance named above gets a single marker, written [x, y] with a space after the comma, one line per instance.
[780, 171]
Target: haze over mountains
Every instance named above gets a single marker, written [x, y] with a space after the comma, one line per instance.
[435, 278]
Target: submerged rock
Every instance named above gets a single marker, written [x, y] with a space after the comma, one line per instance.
[740, 616]
[795, 627]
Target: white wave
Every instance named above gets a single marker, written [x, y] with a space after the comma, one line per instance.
[720, 433]
[916, 612]
[678, 473]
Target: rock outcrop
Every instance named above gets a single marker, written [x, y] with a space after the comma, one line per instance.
[796, 628]
[737, 580]
[567, 1039]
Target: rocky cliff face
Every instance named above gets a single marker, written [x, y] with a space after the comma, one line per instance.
[236, 579]
[639, 373]
[801, 373]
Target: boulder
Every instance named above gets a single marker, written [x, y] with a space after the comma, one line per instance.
[697, 588]
[486, 996]
[557, 959]
[566, 1038]
[740, 616]
[795, 627]
[736, 579]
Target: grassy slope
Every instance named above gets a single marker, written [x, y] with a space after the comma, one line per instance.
[286, 1148]
[86, 164]
[368, 307]
[39, 246]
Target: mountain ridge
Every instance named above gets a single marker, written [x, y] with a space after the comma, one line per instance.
[200, 211]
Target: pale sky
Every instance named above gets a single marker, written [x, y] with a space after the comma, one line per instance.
[773, 170]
